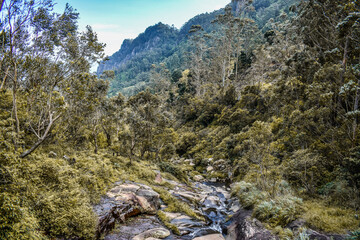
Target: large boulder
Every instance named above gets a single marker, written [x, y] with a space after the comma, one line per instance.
[124, 201]
[244, 227]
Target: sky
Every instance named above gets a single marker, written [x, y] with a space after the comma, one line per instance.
[116, 20]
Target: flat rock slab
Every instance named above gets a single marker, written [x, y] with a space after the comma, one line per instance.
[158, 233]
[217, 236]
[134, 227]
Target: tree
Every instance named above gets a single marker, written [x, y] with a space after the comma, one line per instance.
[44, 65]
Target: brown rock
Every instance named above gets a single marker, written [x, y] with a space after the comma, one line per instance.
[153, 233]
[158, 178]
[217, 236]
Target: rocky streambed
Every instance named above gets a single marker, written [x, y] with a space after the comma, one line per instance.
[131, 211]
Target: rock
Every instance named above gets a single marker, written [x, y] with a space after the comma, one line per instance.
[186, 224]
[235, 206]
[217, 236]
[213, 180]
[192, 197]
[198, 178]
[52, 154]
[313, 235]
[244, 227]
[136, 226]
[124, 201]
[149, 200]
[158, 233]
[209, 168]
[171, 216]
[211, 201]
[297, 224]
[158, 178]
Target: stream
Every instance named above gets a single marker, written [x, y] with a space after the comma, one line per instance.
[216, 205]
[210, 200]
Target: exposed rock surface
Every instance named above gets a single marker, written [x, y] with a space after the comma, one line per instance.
[158, 233]
[211, 237]
[123, 201]
[244, 227]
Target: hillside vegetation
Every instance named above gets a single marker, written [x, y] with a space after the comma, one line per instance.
[266, 89]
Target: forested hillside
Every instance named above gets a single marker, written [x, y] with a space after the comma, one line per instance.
[262, 95]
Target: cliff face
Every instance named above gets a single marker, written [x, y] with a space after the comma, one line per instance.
[152, 39]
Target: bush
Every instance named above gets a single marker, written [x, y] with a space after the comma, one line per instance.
[174, 170]
[278, 211]
[187, 141]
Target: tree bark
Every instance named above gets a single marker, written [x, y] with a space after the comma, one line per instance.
[1, 4]
[41, 139]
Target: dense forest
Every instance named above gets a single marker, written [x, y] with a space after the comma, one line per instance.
[265, 91]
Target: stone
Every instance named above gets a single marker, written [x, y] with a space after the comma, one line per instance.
[198, 178]
[235, 206]
[125, 200]
[216, 236]
[209, 168]
[171, 216]
[158, 233]
[52, 154]
[244, 227]
[136, 226]
[158, 178]
[189, 196]
[213, 180]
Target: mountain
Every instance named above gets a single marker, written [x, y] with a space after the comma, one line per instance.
[162, 43]
[159, 43]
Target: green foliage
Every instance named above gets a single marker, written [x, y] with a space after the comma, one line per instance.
[185, 143]
[276, 211]
[175, 170]
[329, 219]
[166, 221]
[354, 235]
[175, 205]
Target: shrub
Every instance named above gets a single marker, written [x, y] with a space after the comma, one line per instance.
[280, 211]
[174, 170]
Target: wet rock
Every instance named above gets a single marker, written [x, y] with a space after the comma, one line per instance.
[158, 233]
[244, 227]
[216, 236]
[186, 224]
[214, 180]
[211, 201]
[235, 206]
[198, 178]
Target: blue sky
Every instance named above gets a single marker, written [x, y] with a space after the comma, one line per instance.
[116, 20]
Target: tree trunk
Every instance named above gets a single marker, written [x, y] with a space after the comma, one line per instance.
[4, 79]
[41, 139]
[14, 109]
[1, 4]
[223, 73]
[356, 107]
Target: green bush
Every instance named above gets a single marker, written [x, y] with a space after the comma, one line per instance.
[174, 170]
[278, 212]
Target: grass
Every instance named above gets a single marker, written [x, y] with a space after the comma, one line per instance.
[162, 216]
[329, 219]
[175, 205]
